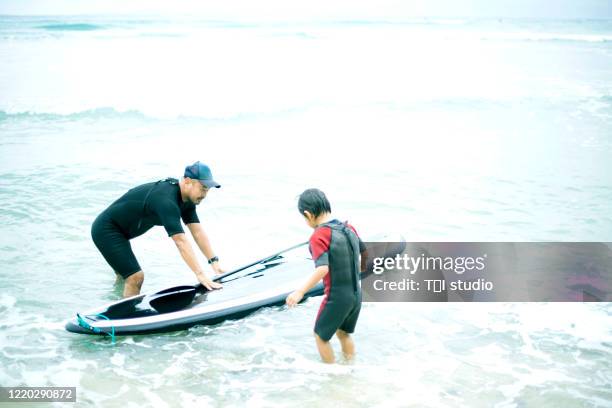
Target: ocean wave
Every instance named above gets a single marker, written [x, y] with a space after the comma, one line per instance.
[71, 27]
[545, 37]
[98, 113]
[491, 29]
[109, 113]
[593, 104]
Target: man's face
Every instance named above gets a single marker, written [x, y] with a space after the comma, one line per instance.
[198, 192]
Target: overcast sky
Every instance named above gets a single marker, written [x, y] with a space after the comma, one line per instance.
[317, 9]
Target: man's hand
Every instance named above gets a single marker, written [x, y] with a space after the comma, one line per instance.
[217, 268]
[208, 284]
[294, 298]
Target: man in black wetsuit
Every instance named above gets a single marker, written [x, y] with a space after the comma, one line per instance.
[164, 202]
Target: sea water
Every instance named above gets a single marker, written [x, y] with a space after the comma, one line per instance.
[436, 130]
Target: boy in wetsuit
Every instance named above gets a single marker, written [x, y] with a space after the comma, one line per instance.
[335, 249]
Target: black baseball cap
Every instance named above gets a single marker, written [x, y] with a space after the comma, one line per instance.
[201, 172]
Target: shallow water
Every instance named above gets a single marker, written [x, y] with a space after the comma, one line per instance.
[478, 130]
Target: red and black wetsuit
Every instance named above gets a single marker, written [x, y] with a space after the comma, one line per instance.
[337, 245]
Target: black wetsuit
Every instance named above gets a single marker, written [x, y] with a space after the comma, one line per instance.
[337, 245]
[133, 214]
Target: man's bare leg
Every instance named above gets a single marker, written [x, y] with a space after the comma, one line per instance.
[133, 283]
[325, 350]
[348, 347]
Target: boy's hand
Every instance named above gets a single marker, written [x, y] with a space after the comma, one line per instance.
[294, 298]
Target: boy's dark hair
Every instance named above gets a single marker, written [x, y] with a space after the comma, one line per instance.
[314, 201]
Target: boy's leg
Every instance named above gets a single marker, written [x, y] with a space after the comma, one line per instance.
[348, 347]
[325, 350]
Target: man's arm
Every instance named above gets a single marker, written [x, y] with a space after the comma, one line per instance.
[295, 297]
[201, 238]
[188, 255]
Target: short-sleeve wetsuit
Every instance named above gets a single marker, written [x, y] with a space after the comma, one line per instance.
[133, 214]
[337, 245]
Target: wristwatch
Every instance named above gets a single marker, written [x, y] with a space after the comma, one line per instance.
[213, 260]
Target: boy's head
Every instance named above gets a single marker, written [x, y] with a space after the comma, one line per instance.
[312, 204]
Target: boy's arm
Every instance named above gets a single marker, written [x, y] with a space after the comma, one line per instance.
[295, 297]
[364, 260]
